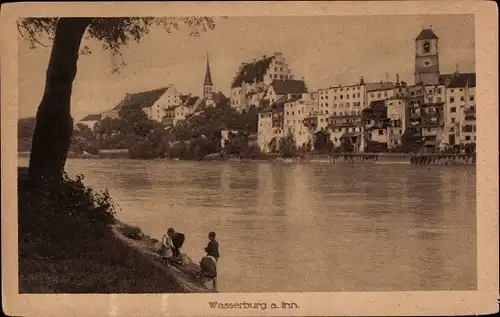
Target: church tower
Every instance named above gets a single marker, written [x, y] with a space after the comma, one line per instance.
[427, 58]
[207, 84]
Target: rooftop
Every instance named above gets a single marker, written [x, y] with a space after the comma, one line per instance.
[208, 75]
[92, 117]
[143, 99]
[458, 80]
[252, 71]
[379, 86]
[289, 86]
[190, 101]
[426, 34]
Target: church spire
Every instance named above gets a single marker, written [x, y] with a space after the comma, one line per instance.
[208, 76]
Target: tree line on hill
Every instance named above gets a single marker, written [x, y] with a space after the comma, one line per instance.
[193, 138]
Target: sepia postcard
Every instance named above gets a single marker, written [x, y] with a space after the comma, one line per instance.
[288, 158]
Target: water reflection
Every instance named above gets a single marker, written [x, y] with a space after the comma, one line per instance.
[307, 227]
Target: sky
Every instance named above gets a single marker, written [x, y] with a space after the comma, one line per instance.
[324, 50]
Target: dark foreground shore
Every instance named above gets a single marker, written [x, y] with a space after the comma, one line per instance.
[65, 247]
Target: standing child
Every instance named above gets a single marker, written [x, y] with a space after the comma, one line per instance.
[208, 263]
[212, 248]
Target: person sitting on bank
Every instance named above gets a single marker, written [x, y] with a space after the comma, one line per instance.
[177, 242]
[208, 269]
[166, 250]
[212, 249]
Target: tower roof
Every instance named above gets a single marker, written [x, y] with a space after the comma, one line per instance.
[427, 34]
[208, 76]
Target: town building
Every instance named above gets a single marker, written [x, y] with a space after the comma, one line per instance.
[91, 120]
[178, 113]
[398, 115]
[152, 102]
[284, 87]
[376, 127]
[345, 127]
[296, 109]
[460, 108]
[252, 79]
[266, 132]
[378, 91]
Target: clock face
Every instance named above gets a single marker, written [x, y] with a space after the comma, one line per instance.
[426, 62]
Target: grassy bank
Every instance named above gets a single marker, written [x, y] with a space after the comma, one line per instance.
[70, 242]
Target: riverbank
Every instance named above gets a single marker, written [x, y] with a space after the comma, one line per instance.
[67, 247]
[369, 158]
[334, 158]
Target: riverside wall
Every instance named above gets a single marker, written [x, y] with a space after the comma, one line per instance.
[370, 158]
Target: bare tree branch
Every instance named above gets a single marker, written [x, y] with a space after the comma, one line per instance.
[31, 33]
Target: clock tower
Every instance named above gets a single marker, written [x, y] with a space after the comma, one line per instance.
[426, 58]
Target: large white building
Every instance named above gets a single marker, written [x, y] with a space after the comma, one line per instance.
[154, 103]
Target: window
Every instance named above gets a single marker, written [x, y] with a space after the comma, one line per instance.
[461, 89]
[452, 99]
[462, 98]
[439, 90]
[467, 138]
[427, 47]
[334, 97]
[452, 90]
[452, 120]
[380, 132]
[471, 98]
[385, 93]
[453, 109]
[341, 96]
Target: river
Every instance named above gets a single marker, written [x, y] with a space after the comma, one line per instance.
[306, 227]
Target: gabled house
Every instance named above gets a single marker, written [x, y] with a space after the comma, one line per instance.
[153, 102]
[284, 87]
[91, 120]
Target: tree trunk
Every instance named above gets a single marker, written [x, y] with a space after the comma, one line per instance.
[54, 125]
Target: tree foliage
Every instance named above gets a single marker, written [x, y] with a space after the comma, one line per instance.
[112, 32]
